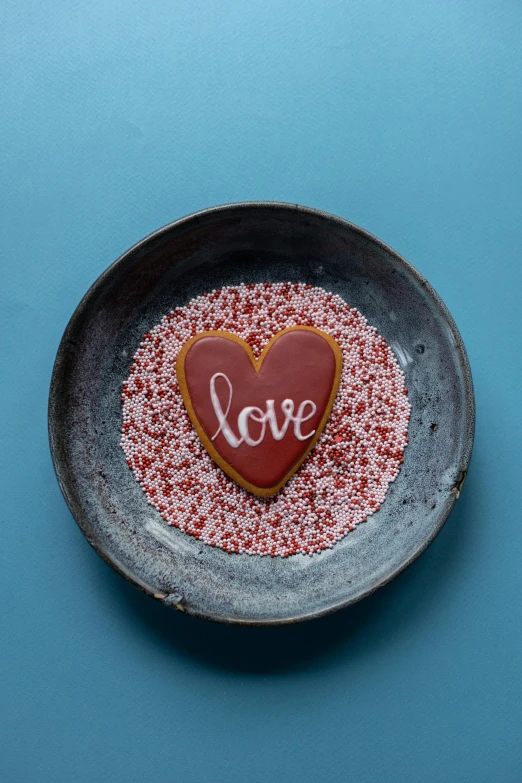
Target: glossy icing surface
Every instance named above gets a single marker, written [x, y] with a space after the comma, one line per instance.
[261, 416]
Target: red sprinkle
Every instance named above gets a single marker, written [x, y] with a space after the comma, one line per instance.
[341, 483]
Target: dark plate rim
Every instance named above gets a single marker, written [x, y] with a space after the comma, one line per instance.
[54, 397]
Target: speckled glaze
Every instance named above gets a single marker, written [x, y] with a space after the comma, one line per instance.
[250, 243]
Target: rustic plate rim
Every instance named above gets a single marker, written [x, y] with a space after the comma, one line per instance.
[80, 516]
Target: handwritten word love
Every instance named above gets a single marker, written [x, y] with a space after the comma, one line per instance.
[256, 414]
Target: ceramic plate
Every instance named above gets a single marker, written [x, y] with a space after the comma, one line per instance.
[249, 243]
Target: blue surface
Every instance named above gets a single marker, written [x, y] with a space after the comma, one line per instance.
[403, 117]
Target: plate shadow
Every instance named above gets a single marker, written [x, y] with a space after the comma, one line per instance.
[357, 630]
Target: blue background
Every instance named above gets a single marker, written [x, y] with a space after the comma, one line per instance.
[404, 117]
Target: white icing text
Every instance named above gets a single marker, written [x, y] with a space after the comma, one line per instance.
[251, 413]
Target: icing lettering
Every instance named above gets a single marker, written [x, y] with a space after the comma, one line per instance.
[257, 415]
[222, 417]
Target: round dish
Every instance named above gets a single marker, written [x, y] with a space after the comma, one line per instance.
[251, 243]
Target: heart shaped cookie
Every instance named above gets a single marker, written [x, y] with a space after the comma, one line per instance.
[259, 419]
